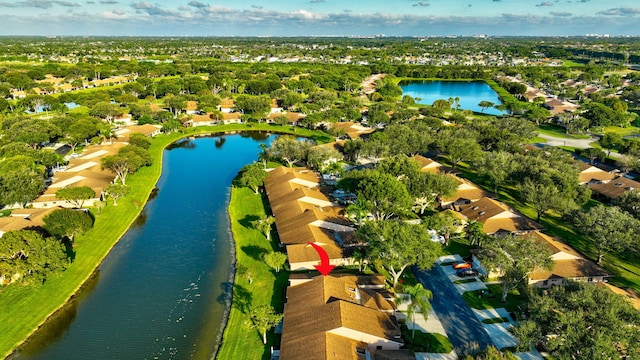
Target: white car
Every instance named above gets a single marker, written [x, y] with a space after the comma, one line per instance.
[435, 237]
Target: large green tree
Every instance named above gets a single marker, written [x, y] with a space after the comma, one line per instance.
[398, 245]
[127, 161]
[418, 298]
[609, 228]
[252, 176]
[384, 196]
[581, 321]
[25, 255]
[287, 148]
[67, 223]
[514, 258]
[263, 318]
[275, 260]
[497, 166]
[263, 225]
[76, 195]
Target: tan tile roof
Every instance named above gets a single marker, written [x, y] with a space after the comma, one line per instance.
[292, 116]
[568, 263]
[593, 173]
[630, 295]
[554, 244]
[191, 105]
[227, 103]
[427, 165]
[466, 191]
[304, 214]
[615, 187]
[496, 216]
[23, 219]
[10, 223]
[570, 269]
[325, 304]
[231, 116]
[146, 129]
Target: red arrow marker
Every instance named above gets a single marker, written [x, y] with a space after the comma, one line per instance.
[324, 267]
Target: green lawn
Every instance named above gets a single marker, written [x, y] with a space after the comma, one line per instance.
[558, 131]
[458, 245]
[491, 299]
[25, 308]
[425, 342]
[624, 131]
[495, 320]
[240, 341]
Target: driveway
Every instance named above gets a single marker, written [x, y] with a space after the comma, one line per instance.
[464, 330]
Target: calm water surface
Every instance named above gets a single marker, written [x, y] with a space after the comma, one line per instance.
[160, 294]
[469, 92]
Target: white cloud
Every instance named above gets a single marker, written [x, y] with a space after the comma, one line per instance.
[560, 13]
[620, 12]
[114, 15]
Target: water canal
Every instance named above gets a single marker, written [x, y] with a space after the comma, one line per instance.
[160, 293]
[469, 92]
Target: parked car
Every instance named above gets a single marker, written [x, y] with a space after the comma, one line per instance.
[461, 265]
[467, 272]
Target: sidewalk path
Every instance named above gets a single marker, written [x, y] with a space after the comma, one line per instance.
[465, 331]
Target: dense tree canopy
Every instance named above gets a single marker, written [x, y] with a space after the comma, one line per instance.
[398, 245]
[27, 256]
[581, 321]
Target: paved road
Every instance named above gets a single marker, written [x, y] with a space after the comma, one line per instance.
[576, 143]
[465, 332]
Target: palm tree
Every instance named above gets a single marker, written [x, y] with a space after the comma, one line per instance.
[418, 298]
[358, 210]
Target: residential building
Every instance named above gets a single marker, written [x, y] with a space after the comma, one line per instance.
[611, 190]
[497, 218]
[428, 165]
[567, 264]
[591, 175]
[466, 193]
[340, 317]
[304, 214]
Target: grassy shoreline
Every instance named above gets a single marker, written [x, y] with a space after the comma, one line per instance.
[27, 308]
[255, 282]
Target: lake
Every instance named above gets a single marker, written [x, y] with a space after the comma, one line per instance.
[469, 92]
[161, 292]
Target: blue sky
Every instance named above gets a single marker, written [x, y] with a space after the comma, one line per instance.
[319, 17]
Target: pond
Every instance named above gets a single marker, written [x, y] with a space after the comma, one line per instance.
[161, 292]
[469, 92]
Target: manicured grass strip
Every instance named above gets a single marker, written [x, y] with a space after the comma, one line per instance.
[240, 341]
[491, 298]
[458, 245]
[495, 321]
[560, 132]
[425, 342]
[465, 281]
[25, 308]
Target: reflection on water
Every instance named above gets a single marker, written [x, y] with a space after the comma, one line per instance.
[140, 220]
[56, 327]
[164, 288]
[220, 141]
[255, 135]
[185, 143]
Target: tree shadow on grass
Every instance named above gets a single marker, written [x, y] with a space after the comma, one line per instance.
[256, 252]
[247, 221]
[239, 295]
